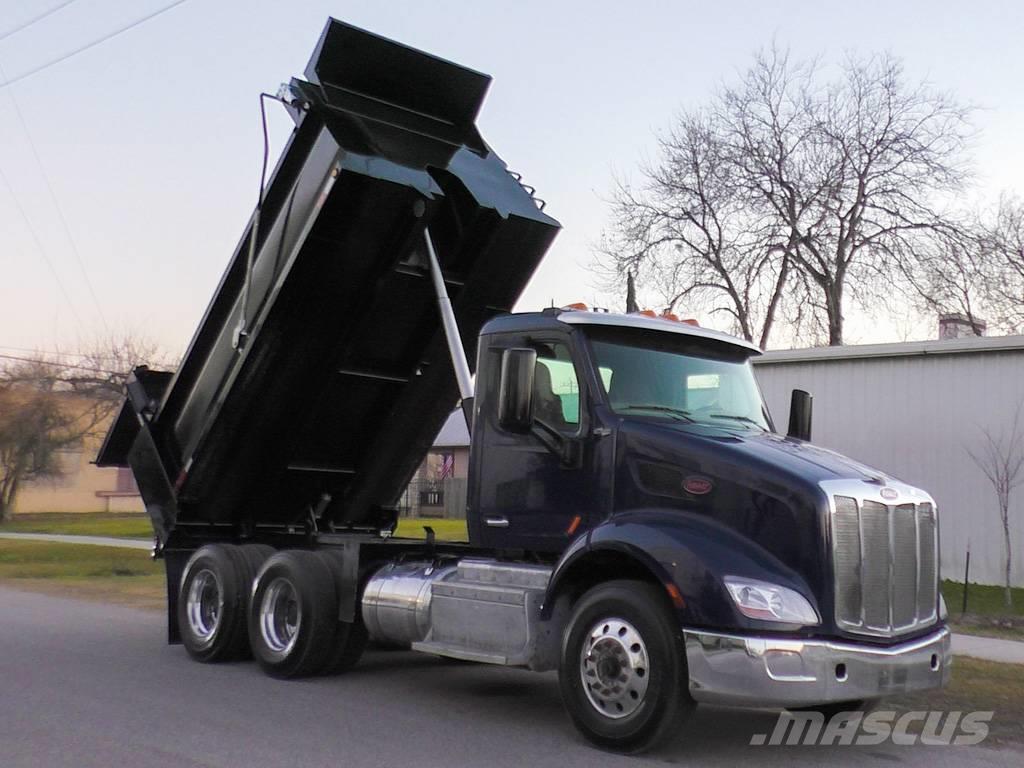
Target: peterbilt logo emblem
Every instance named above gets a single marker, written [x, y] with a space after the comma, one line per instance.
[890, 494]
[698, 486]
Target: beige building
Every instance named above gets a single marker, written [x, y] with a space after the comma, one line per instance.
[81, 487]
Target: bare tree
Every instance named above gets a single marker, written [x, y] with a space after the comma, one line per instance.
[855, 169]
[50, 406]
[1001, 459]
[950, 275]
[1002, 249]
[840, 181]
[690, 231]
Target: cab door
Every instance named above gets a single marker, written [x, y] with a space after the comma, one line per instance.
[528, 496]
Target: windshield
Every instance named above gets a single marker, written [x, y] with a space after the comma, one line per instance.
[671, 377]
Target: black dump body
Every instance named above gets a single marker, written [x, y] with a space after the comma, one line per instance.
[323, 408]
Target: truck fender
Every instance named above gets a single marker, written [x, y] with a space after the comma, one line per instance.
[687, 553]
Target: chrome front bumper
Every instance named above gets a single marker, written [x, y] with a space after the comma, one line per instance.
[774, 672]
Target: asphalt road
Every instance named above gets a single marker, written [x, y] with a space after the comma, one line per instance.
[83, 684]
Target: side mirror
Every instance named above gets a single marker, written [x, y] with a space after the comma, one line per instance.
[515, 394]
[800, 415]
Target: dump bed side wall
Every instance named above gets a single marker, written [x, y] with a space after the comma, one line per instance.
[342, 377]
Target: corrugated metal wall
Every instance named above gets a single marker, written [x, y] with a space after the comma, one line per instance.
[915, 418]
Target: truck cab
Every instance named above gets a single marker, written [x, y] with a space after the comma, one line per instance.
[641, 445]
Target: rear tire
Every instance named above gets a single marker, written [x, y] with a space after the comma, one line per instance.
[212, 601]
[292, 614]
[623, 671]
[255, 556]
[250, 559]
[350, 638]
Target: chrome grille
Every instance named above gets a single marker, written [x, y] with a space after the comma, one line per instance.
[885, 563]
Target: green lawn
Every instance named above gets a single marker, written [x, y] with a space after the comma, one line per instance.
[106, 574]
[446, 530]
[47, 560]
[982, 600]
[986, 610]
[122, 526]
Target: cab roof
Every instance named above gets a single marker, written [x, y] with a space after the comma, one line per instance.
[582, 317]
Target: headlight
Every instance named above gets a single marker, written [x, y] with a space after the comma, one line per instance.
[943, 611]
[770, 602]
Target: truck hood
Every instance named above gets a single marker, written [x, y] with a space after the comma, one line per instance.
[796, 456]
[763, 486]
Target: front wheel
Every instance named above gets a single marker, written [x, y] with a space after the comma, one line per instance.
[623, 671]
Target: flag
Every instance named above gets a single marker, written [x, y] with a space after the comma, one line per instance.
[447, 465]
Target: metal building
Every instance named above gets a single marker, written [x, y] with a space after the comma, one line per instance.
[915, 410]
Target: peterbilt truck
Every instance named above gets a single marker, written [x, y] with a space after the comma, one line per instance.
[635, 519]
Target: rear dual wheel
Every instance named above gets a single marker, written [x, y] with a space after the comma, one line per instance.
[283, 608]
[213, 600]
[294, 627]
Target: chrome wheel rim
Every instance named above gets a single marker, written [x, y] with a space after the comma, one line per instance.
[280, 616]
[614, 668]
[205, 604]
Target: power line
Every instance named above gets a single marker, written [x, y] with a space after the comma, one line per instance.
[39, 245]
[93, 44]
[40, 17]
[62, 365]
[56, 203]
[59, 353]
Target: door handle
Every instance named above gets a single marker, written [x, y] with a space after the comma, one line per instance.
[496, 522]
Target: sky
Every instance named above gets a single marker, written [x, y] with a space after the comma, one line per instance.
[128, 171]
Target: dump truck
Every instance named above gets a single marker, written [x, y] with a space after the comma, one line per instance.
[635, 520]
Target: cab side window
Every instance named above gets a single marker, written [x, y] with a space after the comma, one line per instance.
[556, 390]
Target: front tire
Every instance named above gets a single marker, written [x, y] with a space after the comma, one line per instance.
[623, 672]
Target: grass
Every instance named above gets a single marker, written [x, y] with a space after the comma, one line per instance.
[977, 685]
[107, 574]
[49, 560]
[120, 526]
[987, 614]
[446, 530]
[982, 600]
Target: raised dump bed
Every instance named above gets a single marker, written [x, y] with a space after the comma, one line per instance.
[319, 374]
